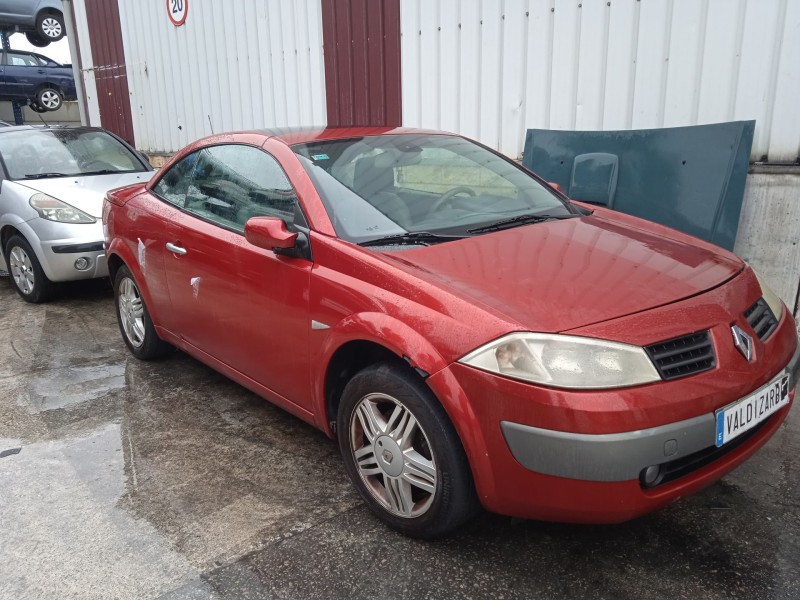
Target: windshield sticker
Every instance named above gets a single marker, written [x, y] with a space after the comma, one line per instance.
[320, 156]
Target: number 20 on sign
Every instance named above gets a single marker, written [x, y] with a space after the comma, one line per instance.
[177, 10]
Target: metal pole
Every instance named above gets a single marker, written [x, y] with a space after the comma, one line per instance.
[15, 104]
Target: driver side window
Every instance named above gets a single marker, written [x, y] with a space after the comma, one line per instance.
[233, 183]
[229, 184]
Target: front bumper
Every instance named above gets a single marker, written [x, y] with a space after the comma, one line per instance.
[616, 456]
[59, 245]
[566, 470]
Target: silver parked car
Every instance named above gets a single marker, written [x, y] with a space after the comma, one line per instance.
[54, 180]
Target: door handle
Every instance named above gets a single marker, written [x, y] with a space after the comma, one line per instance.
[176, 249]
[40, 71]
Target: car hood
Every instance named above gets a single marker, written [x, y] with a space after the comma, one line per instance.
[84, 193]
[560, 275]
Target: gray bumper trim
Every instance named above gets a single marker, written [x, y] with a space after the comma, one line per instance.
[794, 367]
[606, 457]
[614, 456]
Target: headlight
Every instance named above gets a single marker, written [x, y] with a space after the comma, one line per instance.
[54, 209]
[770, 297]
[564, 361]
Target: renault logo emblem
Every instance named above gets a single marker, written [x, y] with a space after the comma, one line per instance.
[387, 456]
[743, 342]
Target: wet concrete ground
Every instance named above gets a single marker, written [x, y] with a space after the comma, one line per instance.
[123, 479]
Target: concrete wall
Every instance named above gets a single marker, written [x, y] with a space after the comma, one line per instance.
[67, 114]
[769, 231]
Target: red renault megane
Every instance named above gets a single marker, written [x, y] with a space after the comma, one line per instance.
[469, 335]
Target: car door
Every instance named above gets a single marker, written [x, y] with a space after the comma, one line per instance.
[16, 11]
[22, 73]
[242, 305]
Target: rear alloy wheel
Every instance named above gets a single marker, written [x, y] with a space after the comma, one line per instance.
[134, 321]
[49, 99]
[50, 27]
[34, 39]
[403, 454]
[26, 273]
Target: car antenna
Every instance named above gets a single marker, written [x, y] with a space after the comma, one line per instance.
[210, 124]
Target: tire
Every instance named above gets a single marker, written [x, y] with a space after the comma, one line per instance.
[49, 98]
[134, 320]
[26, 272]
[430, 492]
[50, 26]
[34, 39]
[36, 107]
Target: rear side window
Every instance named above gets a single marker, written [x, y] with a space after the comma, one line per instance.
[174, 185]
[230, 184]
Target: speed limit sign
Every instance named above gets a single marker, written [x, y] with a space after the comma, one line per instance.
[177, 9]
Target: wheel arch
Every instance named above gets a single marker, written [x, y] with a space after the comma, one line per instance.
[23, 230]
[119, 255]
[361, 340]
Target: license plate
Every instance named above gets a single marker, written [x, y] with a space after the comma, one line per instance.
[734, 420]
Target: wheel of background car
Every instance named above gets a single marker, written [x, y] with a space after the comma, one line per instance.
[134, 320]
[50, 26]
[49, 99]
[36, 107]
[449, 195]
[403, 454]
[35, 40]
[26, 273]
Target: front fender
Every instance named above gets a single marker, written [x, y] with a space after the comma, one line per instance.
[407, 343]
[25, 230]
[378, 328]
[381, 329]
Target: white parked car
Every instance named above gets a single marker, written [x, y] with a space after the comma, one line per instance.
[54, 180]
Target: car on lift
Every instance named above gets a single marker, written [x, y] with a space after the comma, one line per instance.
[54, 180]
[35, 79]
[469, 334]
[42, 21]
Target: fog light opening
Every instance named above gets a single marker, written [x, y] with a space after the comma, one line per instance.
[83, 263]
[650, 476]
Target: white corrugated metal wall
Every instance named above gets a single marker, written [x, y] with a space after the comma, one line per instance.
[86, 65]
[236, 65]
[491, 69]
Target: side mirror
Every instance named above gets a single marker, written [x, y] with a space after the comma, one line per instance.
[269, 233]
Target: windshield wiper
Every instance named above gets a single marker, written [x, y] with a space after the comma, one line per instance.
[98, 172]
[46, 175]
[520, 220]
[416, 238]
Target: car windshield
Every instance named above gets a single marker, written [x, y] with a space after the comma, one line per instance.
[43, 153]
[398, 186]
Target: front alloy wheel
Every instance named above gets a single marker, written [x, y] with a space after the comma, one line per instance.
[22, 270]
[393, 455]
[26, 273]
[402, 452]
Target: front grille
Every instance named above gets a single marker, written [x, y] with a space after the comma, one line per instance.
[683, 356]
[761, 319]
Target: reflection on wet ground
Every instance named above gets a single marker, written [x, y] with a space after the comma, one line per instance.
[123, 479]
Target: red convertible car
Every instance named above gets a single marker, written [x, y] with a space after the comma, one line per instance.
[469, 335]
